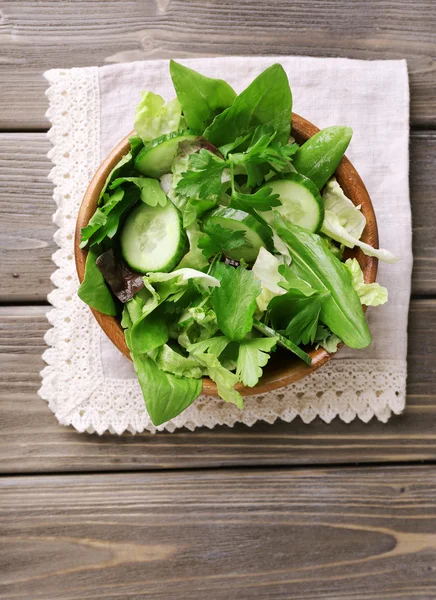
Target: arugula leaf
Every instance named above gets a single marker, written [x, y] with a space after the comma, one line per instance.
[314, 263]
[150, 191]
[165, 394]
[282, 341]
[219, 239]
[253, 355]
[234, 302]
[266, 101]
[200, 97]
[154, 118]
[93, 289]
[203, 177]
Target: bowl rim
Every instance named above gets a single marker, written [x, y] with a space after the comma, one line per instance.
[353, 187]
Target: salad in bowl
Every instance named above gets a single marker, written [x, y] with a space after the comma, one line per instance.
[217, 239]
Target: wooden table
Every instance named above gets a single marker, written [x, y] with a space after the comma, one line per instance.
[271, 512]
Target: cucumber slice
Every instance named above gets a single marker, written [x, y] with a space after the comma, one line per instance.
[156, 158]
[153, 238]
[301, 201]
[256, 234]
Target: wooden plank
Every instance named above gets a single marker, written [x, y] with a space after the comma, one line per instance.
[32, 441]
[35, 36]
[361, 534]
[26, 208]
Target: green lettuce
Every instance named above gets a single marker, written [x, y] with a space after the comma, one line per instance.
[370, 294]
[266, 270]
[345, 223]
[154, 118]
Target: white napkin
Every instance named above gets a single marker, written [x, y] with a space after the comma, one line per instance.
[88, 383]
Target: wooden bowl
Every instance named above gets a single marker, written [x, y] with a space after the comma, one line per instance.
[283, 367]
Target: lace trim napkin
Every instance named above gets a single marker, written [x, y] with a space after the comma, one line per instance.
[88, 383]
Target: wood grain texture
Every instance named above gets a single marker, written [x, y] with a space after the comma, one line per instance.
[35, 36]
[348, 534]
[32, 441]
[26, 208]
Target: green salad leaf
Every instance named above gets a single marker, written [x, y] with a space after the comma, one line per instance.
[207, 353]
[234, 302]
[203, 177]
[166, 395]
[219, 239]
[312, 262]
[253, 355]
[93, 289]
[150, 191]
[200, 97]
[266, 101]
[282, 341]
[154, 118]
[370, 294]
[167, 359]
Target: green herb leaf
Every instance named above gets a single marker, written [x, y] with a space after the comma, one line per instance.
[261, 200]
[200, 97]
[266, 101]
[93, 289]
[234, 302]
[253, 355]
[203, 177]
[219, 239]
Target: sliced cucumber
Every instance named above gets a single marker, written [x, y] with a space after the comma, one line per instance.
[301, 201]
[256, 234]
[156, 158]
[153, 238]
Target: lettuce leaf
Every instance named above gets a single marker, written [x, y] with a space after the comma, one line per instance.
[266, 270]
[171, 361]
[370, 294]
[165, 394]
[93, 289]
[345, 223]
[207, 353]
[154, 118]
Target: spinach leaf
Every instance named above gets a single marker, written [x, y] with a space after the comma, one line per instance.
[266, 101]
[165, 394]
[312, 262]
[93, 289]
[200, 97]
[234, 302]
